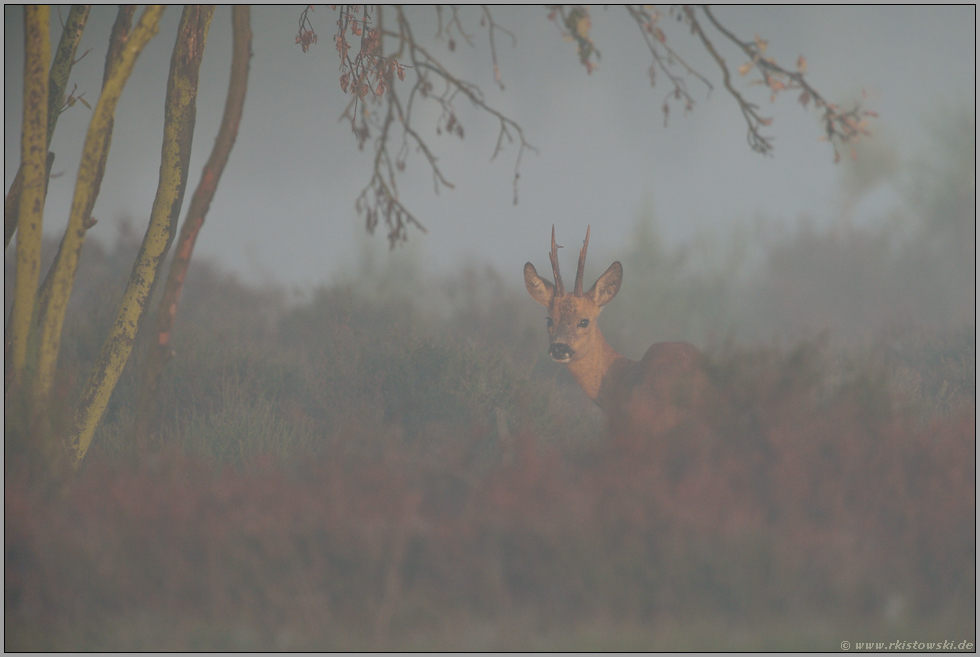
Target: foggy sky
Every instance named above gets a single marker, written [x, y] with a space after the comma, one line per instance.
[284, 211]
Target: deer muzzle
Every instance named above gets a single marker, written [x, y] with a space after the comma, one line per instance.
[561, 352]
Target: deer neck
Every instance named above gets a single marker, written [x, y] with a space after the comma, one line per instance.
[597, 371]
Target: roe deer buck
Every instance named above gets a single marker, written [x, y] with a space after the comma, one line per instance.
[646, 397]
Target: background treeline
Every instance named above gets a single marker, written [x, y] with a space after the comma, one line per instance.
[392, 460]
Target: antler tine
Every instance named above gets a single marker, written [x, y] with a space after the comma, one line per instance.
[554, 264]
[580, 273]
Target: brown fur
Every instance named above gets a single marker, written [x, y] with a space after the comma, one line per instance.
[650, 396]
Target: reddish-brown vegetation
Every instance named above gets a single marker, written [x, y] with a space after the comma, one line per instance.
[792, 499]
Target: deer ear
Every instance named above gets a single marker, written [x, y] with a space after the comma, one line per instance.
[606, 288]
[540, 290]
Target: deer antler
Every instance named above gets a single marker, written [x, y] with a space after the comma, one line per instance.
[560, 289]
[580, 274]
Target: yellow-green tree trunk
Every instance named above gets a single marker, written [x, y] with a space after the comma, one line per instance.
[61, 67]
[117, 41]
[62, 275]
[64, 59]
[178, 132]
[34, 152]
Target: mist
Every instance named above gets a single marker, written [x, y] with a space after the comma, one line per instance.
[285, 209]
[357, 447]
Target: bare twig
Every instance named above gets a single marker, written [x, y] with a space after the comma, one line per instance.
[369, 76]
[424, 61]
[492, 26]
[448, 29]
[839, 125]
[647, 19]
[381, 111]
[757, 141]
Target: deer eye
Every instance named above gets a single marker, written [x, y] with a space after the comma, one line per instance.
[583, 324]
[549, 322]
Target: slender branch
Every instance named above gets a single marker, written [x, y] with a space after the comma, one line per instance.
[655, 39]
[471, 91]
[492, 26]
[756, 140]
[379, 199]
[459, 26]
[369, 75]
[839, 125]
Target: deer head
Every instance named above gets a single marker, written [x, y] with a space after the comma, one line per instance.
[572, 317]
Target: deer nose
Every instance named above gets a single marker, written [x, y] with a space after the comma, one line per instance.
[561, 351]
